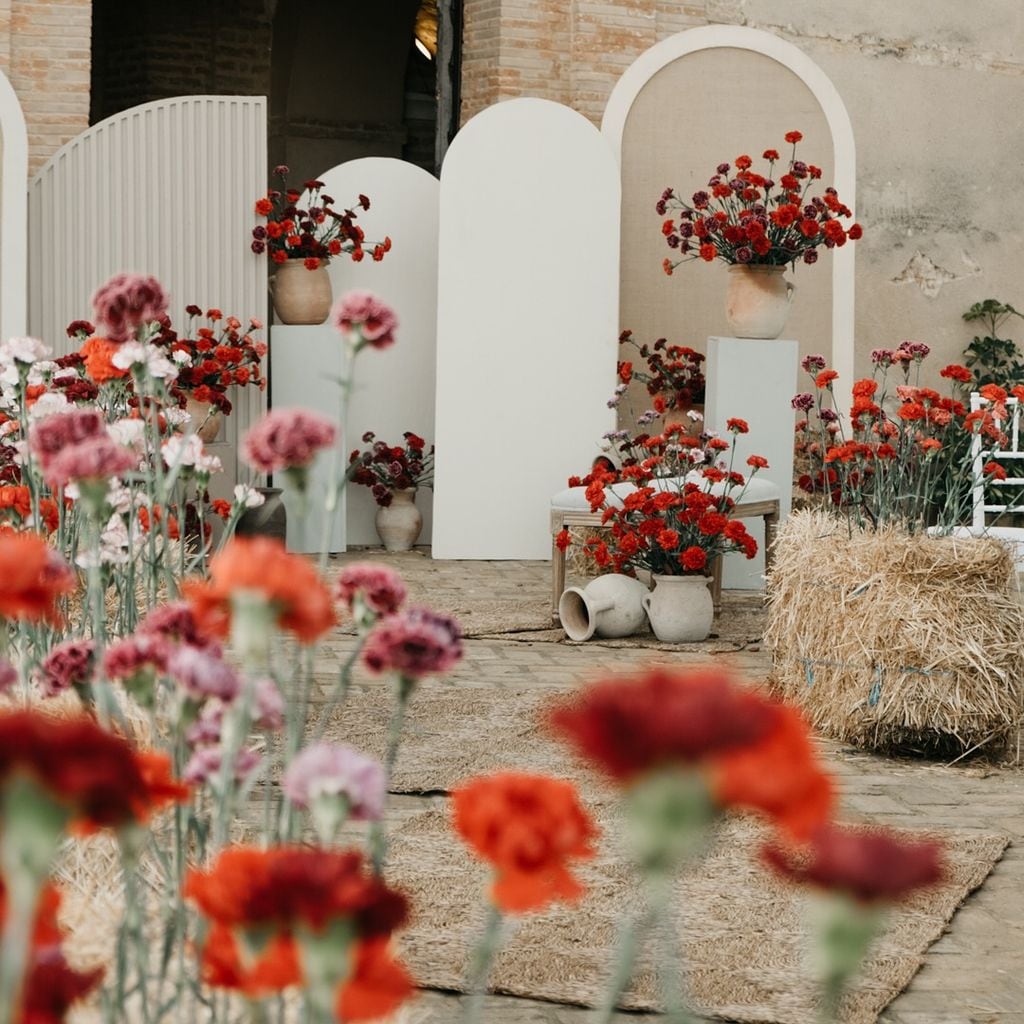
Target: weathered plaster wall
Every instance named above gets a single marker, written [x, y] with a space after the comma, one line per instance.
[933, 92]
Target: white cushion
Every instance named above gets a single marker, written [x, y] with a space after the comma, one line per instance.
[574, 499]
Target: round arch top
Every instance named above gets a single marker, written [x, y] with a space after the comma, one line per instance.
[737, 37]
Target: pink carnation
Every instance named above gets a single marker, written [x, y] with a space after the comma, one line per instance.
[364, 315]
[201, 675]
[176, 621]
[68, 664]
[53, 434]
[126, 302]
[8, 676]
[326, 769]
[286, 439]
[379, 588]
[204, 765]
[125, 658]
[206, 729]
[414, 643]
[268, 711]
[95, 458]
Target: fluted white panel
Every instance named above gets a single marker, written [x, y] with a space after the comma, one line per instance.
[167, 189]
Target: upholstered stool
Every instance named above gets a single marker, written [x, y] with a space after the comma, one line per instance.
[570, 508]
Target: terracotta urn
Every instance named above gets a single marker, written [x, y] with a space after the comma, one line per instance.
[680, 608]
[301, 296]
[206, 419]
[399, 524]
[757, 301]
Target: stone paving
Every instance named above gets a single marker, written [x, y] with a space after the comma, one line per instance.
[973, 975]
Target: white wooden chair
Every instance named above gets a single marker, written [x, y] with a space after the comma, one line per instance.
[981, 453]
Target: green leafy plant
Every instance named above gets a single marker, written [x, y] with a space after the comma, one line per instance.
[992, 359]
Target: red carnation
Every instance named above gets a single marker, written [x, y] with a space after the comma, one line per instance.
[693, 559]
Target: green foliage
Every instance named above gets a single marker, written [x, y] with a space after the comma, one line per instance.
[994, 360]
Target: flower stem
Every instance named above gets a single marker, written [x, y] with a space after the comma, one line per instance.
[480, 966]
[378, 838]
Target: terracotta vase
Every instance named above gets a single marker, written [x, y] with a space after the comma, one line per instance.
[757, 301]
[206, 419]
[611, 606]
[301, 296]
[399, 524]
[681, 609]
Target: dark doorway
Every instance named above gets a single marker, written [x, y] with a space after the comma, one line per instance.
[343, 79]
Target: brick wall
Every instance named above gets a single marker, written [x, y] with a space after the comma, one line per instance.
[569, 51]
[45, 53]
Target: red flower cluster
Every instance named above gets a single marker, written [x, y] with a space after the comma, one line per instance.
[674, 376]
[96, 776]
[385, 469]
[220, 355]
[670, 525]
[16, 508]
[754, 753]
[904, 460]
[751, 218]
[288, 582]
[50, 986]
[314, 232]
[265, 905]
[870, 865]
[529, 827]
[33, 577]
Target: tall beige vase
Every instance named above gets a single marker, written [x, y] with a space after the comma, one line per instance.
[757, 301]
[301, 296]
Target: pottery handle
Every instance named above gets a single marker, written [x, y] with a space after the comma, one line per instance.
[790, 288]
[645, 602]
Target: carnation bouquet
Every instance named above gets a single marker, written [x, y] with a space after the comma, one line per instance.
[904, 455]
[673, 518]
[385, 468]
[744, 217]
[303, 225]
[214, 357]
[674, 377]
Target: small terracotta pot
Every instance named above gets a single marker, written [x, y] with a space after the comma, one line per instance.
[757, 301]
[206, 419]
[301, 296]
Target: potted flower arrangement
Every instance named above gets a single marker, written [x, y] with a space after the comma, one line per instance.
[757, 226]
[303, 233]
[879, 599]
[674, 378]
[667, 513]
[393, 474]
[212, 358]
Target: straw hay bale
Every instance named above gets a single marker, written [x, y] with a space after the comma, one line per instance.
[896, 642]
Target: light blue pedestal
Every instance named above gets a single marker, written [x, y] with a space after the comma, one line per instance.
[306, 364]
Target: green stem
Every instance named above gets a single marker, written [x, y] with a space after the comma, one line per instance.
[480, 966]
[336, 698]
[378, 838]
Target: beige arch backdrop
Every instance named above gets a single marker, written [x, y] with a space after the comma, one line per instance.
[695, 100]
[13, 213]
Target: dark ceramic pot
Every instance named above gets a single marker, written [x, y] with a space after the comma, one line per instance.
[269, 520]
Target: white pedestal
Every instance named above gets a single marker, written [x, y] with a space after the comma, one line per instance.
[305, 366]
[754, 380]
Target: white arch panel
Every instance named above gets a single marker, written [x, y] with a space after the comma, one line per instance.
[528, 287]
[13, 214]
[649, 63]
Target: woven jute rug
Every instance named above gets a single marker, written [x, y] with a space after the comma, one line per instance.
[743, 934]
